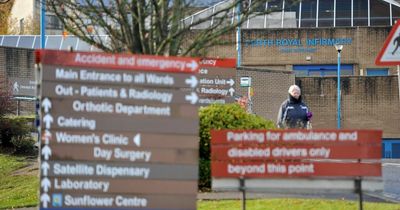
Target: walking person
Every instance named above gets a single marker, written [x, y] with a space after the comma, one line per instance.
[293, 113]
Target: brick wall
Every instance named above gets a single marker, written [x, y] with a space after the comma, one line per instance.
[366, 42]
[366, 102]
[270, 89]
[19, 63]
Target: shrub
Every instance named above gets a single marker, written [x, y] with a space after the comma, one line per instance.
[15, 132]
[218, 116]
[24, 144]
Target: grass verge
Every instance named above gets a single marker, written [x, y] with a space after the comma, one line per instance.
[17, 189]
[292, 204]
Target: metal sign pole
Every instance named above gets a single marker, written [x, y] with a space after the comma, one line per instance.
[398, 80]
[250, 102]
[359, 191]
[243, 189]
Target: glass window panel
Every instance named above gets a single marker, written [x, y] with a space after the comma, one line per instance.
[314, 73]
[274, 17]
[301, 73]
[203, 19]
[259, 7]
[53, 42]
[275, 5]
[69, 41]
[395, 13]
[10, 41]
[308, 13]
[83, 46]
[329, 73]
[37, 42]
[1, 39]
[325, 17]
[360, 12]
[380, 13]
[377, 72]
[26, 42]
[343, 12]
[291, 18]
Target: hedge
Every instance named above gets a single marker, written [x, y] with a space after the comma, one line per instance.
[222, 116]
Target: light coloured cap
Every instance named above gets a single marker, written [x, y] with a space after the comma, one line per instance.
[294, 87]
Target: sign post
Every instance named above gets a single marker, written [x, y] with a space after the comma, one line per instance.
[246, 82]
[295, 160]
[117, 131]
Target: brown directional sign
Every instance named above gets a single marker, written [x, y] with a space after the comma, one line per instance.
[115, 124]
[122, 108]
[114, 186]
[128, 140]
[119, 77]
[118, 61]
[121, 93]
[216, 81]
[121, 201]
[118, 131]
[120, 170]
[123, 154]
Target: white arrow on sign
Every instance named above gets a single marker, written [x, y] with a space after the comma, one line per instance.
[192, 81]
[46, 105]
[46, 184]
[231, 91]
[45, 199]
[46, 136]
[137, 139]
[231, 82]
[192, 98]
[193, 65]
[48, 119]
[45, 168]
[46, 152]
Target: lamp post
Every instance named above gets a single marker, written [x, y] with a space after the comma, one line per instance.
[339, 50]
[42, 23]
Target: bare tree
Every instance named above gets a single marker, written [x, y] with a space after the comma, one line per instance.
[5, 9]
[154, 27]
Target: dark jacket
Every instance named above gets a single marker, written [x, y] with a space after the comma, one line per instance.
[293, 114]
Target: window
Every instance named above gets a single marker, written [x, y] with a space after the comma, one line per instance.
[308, 13]
[26, 42]
[380, 13]
[322, 70]
[343, 13]
[291, 18]
[377, 72]
[360, 12]
[274, 19]
[325, 17]
[395, 13]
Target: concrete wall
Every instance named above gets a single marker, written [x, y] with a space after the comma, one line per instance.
[366, 102]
